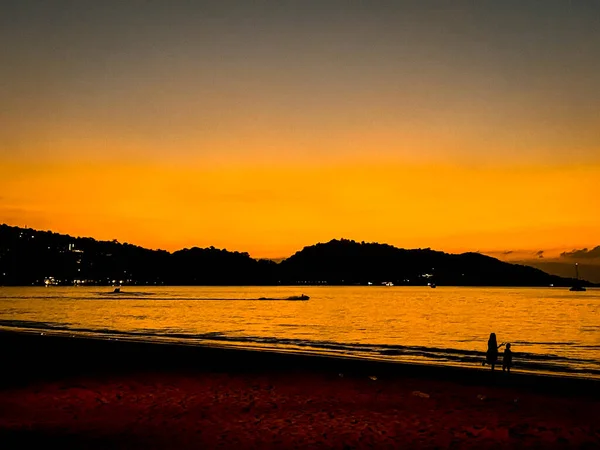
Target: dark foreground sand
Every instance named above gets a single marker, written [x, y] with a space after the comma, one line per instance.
[73, 393]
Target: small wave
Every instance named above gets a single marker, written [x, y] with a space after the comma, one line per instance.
[561, 344]
[45, 297]
[26, 324]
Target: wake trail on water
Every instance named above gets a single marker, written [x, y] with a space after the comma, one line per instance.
[156, 297]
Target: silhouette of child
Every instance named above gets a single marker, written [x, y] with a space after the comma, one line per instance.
[491, 356]
[507, 359]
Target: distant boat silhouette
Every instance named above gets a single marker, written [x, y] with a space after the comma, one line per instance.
[432, 277]
[293, 297]
[298, 297]
[577, 287]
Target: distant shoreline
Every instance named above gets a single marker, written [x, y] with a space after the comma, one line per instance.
[30, 257]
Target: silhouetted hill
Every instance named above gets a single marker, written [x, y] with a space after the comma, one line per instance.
[349, 262]
[30, 257]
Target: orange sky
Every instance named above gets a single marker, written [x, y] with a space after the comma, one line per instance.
[273, 210]
[264, 129]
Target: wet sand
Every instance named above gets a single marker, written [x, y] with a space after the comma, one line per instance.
[66, 392]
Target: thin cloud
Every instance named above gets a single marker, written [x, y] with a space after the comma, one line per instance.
[495, 252]
[583, 253]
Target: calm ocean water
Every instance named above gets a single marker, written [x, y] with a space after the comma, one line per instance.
[551, 329]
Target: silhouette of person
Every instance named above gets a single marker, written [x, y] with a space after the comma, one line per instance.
[491, 356]
[507, 359]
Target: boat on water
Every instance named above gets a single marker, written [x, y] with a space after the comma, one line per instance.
[577, 287]
[293, 297]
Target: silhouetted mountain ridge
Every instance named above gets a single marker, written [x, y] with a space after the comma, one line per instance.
[33, 257]
[348, 262]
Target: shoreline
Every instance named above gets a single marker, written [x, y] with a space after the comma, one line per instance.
[28, 350]
[271, 352]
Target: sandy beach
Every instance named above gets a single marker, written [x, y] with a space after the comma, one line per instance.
[80, 393]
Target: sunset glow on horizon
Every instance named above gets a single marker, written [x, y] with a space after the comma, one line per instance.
[272, 212]
[270, 127]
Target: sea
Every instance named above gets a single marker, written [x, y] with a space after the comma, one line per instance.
[551, 330]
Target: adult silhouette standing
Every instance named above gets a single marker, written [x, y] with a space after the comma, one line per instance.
[491, 356]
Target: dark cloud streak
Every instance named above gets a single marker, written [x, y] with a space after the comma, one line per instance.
[583, 253]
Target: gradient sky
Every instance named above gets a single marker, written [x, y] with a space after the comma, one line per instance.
[266, 126]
